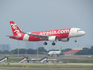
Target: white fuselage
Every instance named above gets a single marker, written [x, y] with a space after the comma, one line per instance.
[54, 52]
[76, 32]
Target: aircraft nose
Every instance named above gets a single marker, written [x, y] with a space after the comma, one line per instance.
[83, 32]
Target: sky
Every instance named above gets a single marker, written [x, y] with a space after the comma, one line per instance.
[40, 15]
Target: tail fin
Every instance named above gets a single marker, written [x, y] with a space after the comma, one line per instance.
[60, 49]
[15, 29]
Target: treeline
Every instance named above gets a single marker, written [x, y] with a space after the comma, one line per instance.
[42, 50]
[85, 51]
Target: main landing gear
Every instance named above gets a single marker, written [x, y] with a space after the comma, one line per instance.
[45, 43]
[53, 43]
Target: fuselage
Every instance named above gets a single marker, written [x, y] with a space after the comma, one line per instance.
[54, 52]
[60, 33]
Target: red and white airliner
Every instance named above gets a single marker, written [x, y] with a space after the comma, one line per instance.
[50, 35]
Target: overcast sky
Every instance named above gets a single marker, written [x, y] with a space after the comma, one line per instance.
[40, 15]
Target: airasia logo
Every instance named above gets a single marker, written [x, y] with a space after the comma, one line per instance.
[55, 32]
[15, 29]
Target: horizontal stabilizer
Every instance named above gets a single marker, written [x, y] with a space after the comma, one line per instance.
[12, 36]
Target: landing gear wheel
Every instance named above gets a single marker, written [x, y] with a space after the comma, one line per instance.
[53, 43]
[45, 43]
[75, 41]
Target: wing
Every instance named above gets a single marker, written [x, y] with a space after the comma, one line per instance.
[47, 38]
[41, 36]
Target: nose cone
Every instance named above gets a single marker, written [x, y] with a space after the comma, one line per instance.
[83, 32]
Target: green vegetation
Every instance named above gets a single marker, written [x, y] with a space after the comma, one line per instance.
[13, 60]
[88, 57]
[86, 51]
[76, 61]
[51, 66]
[41, 50]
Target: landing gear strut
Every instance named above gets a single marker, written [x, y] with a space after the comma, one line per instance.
[75, 39]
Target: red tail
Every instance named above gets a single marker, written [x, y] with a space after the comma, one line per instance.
[15, 29]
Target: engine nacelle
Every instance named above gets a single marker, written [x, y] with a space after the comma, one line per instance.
[64, 39]
[52, 38]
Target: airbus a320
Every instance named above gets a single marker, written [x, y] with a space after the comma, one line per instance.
[51, 35]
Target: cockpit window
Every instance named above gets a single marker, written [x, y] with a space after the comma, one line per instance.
[79, 30]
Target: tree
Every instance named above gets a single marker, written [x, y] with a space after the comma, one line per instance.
[15, 51]
[41, 50]
[85, 51]
[22, 51]
[1, 52]
[85, 48]
[31, 51]
[91, 47]
[5, 52]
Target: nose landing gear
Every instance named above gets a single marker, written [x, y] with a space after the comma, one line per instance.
[75, 39]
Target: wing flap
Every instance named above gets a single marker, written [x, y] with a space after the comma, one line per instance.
[41, 36]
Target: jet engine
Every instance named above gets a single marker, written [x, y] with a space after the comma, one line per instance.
[52, 38]
[64, 39]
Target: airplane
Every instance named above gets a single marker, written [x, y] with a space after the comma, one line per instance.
[51, 53]
[50, 35]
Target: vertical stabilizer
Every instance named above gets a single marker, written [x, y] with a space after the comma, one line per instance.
[15, 29]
